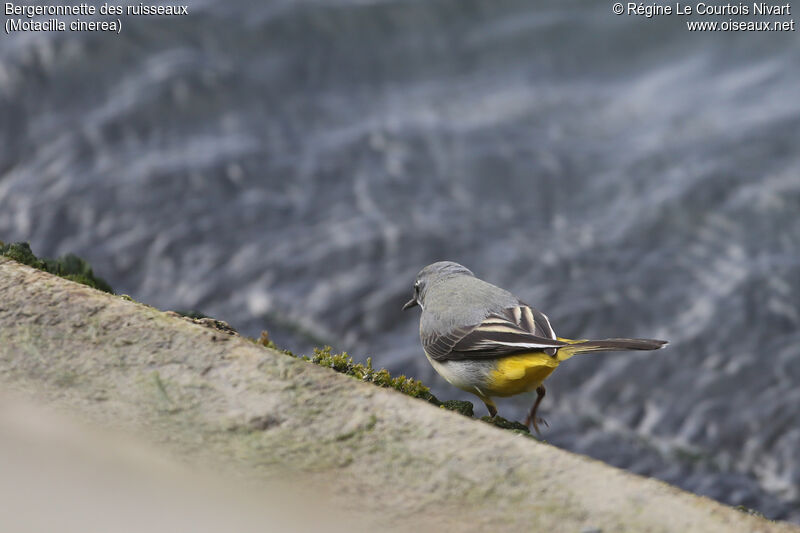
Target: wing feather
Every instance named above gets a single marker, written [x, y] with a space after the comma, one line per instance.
[517, 329]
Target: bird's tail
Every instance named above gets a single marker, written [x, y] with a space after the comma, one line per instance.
[575, 347]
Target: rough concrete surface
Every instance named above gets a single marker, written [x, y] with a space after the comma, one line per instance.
[59, 474]
[219, 402]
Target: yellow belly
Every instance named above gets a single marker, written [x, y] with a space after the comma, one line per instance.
[520, 373]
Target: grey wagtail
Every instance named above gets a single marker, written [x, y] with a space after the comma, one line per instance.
[484, 340]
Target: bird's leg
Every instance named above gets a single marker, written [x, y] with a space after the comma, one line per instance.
[491, 408]
[532, 418]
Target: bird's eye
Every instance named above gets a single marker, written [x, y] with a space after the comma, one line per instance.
[416, 287]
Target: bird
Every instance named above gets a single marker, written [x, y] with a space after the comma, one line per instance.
[486, 341]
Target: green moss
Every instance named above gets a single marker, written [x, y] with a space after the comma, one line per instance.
[68, 266]
[73, 267]
[21, 253]
[266, 342]
[459, 406]
[749, 511]
[342, 362]
[501, 422]
[191, 313]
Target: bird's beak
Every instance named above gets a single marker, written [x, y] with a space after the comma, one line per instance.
[409, 304]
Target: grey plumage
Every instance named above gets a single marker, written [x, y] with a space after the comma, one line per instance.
[464, 317]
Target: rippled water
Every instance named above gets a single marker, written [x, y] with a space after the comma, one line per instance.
[292, 165]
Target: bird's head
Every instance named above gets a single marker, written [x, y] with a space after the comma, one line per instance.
[430, 275]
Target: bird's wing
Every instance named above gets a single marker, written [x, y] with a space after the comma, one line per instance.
[517, 329]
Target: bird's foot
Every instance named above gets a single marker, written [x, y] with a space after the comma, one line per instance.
[535, 421]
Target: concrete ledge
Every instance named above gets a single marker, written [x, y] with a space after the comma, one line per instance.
[220, 400]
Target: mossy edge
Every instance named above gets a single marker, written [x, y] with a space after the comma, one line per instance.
[74, 268]
[68, 266]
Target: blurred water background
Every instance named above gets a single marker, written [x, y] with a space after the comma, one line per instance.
[291, 165]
